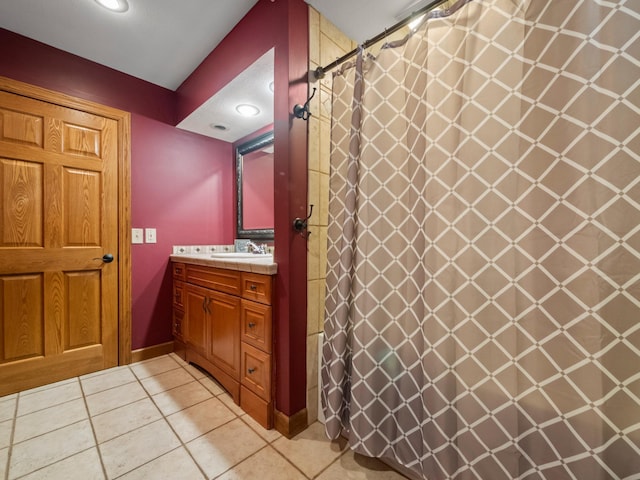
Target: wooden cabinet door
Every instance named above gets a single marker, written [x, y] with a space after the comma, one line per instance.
[224, 333]
[59, 203]
[196, 317]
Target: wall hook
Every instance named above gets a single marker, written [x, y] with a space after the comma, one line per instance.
[302, 111]
[300, 224]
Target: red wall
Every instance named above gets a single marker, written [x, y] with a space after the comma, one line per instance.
[283, 25]
[167, 197]
[175, 175]
[182, 185]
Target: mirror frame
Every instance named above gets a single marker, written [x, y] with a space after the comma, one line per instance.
[252, 145]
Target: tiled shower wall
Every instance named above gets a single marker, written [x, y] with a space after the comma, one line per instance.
[326, 43]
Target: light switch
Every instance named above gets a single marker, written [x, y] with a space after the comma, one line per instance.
[150, 235]
[136, 235]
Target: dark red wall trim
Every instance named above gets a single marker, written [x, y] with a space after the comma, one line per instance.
[284, 25]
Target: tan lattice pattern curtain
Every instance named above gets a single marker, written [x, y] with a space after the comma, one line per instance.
[483, 284]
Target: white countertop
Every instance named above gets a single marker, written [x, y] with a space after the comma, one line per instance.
[244, 262]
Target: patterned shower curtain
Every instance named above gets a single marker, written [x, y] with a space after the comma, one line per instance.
[483, 287]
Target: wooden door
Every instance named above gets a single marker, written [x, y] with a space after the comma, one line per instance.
[224, 333]
[59, 202]
[195, 313]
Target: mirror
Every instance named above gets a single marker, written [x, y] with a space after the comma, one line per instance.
[254, 184]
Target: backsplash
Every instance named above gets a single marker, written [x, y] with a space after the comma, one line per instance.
[195, 249]
[202, 249]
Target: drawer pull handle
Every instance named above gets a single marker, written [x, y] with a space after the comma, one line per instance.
[252, 325]
[253, 287]
[251, 370]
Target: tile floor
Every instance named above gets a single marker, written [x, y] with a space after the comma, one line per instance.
[159, 419]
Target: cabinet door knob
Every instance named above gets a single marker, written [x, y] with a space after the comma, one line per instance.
[253, 287]
[252, 325]
[251, 370]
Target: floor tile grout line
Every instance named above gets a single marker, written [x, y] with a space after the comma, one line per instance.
[13, 431]
[66, 400]
[51, 464]
[337, 459]
[268, 442]
[93, 431]
[182, 444]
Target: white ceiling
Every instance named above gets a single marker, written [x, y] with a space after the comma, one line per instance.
[163, 41]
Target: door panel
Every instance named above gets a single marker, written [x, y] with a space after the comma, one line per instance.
[59, 201]
[224, 333]
[22, 203]
[195, 331]
[22, 315]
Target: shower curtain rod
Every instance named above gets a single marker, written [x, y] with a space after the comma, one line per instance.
[320, 71]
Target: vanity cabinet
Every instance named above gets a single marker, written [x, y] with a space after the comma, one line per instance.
[178, 308]
[222, 322]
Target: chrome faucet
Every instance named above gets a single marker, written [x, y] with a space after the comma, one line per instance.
[255, 248]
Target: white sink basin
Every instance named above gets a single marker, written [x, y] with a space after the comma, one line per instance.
[240, 255]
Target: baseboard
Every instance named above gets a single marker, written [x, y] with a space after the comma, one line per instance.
[151, 352]
[290, 426]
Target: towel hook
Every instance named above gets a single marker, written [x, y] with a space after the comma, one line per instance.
[300, 224]
[302, 111]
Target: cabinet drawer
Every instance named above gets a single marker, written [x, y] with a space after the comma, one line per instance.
[178, 319]
[178, 294]
[178, 271]
[255, 319]
[256, 371]
[256, 287]
[226, 281]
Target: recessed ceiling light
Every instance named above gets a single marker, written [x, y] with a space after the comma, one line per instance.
[247, 110]
[114, 5]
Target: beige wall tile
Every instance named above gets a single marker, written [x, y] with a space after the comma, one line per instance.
[314, 195]
[324, 102]
[312, 361]
[314, 35]
[326, 45]
[314, 144]
[329, 29]
[325, 146]
[313, 312]
[313, 255]
[312, 404]
[323, 201]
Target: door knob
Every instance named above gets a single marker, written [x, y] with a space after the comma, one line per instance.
[107, 258]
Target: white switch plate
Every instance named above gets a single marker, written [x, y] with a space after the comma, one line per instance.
[150, 235]
[136, 235]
